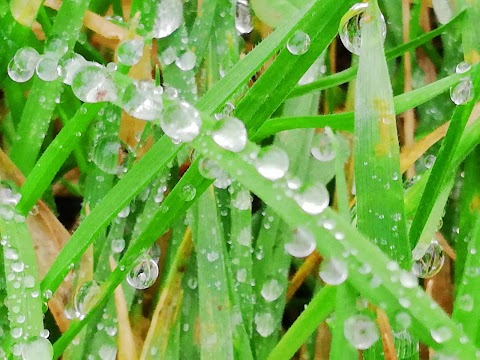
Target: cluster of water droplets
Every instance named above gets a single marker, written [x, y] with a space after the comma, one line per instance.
[463, 92]
[351, 25]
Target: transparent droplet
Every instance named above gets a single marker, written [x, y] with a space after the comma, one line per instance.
[463, 92]
[271, 290]
[242, 200]
[430, 263]
[301, 244]
[70, 66]
[429, 161]
[189, 192]
[210, 170]
[186, 61]
[118, 245]
[230, 134]
[462, 67]
[22, 66]
[154, 252]
[333, 271]
[322, 147]
[313, 199]
[443, 10]
[123, 214]
[168, 56]
[299, 43]
[37, 349]
[93, 84]
[168, 19]
[130, 52]
[86, 297]
[105, 153]
[181, 121]
[408, 280]
[143, 100]
[272, 162]
[47, 68]
[465, 302]
[144, 274]
[360, 331]
[56, 46]
[350, 27]
[441, 334]
[8, 197]
[264, 324]
[243, 17]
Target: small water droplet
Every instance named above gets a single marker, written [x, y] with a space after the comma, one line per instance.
[186, 61]
[210, 170]
[86, 297]
[443, 10]
[301, 244]
[313, 199]
[189, 192]
[333, 271]
[105, 153]
[462, 67]
[181, 121]
[70, 66]
[242, 200]
[441, 334]
[272, 162]
[430, 263]
[93, 84]
[350, 27]
[463, 92]
[360, 331]
[322, 147]
[123, 214]
[47, 68]
[22, 66]
[243, 17]
[169, 18]
[230, 134]
[271, 290]
[408, 280]
[118, 245]
[264, 324]
[465, 302]
[130, 52]
[299, 43]
[144, 274]
[142, 100]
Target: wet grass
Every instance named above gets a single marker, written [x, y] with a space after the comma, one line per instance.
[227, 288]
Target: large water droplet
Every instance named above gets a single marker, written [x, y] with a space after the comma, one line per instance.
[93, 84]
[322, 147]
[301, 244]
[105, 153]
[143, 100]
[37, 349]
[430, 263]
[463, 92]
[144, 274]
[313, 199]
[299, 43]
[47, 67]
[443, 10]
[186, 61]
[243, 17]
[360, 331]
[230, 134]
[86, 297]
[350, 27]
[169, 18]
[130, 52]
[264, 324]
[271, 290]
[22, 66]
[272, 162]
[70, 66]
[333, 271]
[181, 121]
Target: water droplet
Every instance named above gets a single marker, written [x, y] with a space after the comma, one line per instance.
[105, 153]
[443, 10]
[37, 349]
[463, 92]
[47, 67]
[123, 214]
[322, 147]
[181, 121]
[301, 244]
[93, 84]
[299, 43]
[118, 245]
[333, 271]
[230, 134]
[186, 61]
[271, 290]
[408, 280]
[22, 66]
[130, 52]
[242, 275]
[168, 56]
[350, 27]
[465, 302]
[143, 100]
[70, 66]
[313, 199]
[144, 274]
[462, 67]
[272, 162]
[189, 192]
[86, 297]
[210, 170]
[56, 46]
[243, 17]
[242, 200]
[430, 263]
[264, 324]
[169, 18]
[441, 334]
[360, 331]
